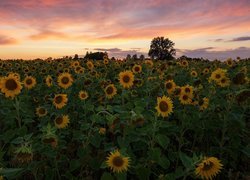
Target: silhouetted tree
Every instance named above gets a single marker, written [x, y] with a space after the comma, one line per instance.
[134, 57]
[76, 57]
[95, 55]
[162, 49]
[142, 57]
[128, 57]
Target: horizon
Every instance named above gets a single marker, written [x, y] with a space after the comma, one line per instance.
[57, 28]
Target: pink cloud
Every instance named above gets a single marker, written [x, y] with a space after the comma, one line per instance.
[7, 40]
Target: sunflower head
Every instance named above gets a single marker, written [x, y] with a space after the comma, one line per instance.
[10, 86]
[164, 106]
[49, 81]
[137, 69]
[61, 121]
[60, 100]
[185, 98]
[117, 162]
[83, 95]
[170, 86]
[65, 80]
[194, 73]
[24, 153]
[208, 168]
[110, 91]
[29, 82]
[126, 79]
[90, 65]
[41, 111]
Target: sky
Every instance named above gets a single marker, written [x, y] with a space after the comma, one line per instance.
[213, 29]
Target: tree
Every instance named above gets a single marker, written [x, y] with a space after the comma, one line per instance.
[162, 49]
[134, 57]
[142, 57]
[95, 55]
[76, 57]
[128, 57]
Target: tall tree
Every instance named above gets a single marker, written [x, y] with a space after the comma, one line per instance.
[162, 48]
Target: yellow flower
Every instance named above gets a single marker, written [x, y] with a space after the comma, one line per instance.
[229, 62]
[137, 69]
[29, 82]
[40, 112]
[217, 75]
[90, 65]
[203, 104]
[194, 73]
[110, 91]
[65, 80]
[184, 63]
[170, 86]
[62, 121]
[205, 71]
[126, 79]
[83, 95]
[60, 100]
[117, 163]
[224, 82]
[149, 63]
[208, 168]
[48, 81]
[164, 106]
[102, 131]
[185, 98]
[10, 86]
[187, 89]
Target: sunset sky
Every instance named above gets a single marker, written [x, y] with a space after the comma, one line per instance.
[200, 28]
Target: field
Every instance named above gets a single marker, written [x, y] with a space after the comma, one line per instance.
[83, 119]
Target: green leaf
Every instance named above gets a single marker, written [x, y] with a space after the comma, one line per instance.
[143, 173]
[164, 162]
[74, 164]
[106, 176]
[186, 161]
[162, 140]
[246, 151]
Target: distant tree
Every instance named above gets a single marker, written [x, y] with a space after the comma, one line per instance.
[142, 57]
[95, 55]
[113, 59]
[134, 57]
[76, 57]
[128, 57]
[162, 49]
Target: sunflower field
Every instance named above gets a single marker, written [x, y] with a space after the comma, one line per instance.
[84, 119]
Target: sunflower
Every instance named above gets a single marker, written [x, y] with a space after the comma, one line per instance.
[60, 100]
[203, 103]
[205, 71]
[40, 112]
[90, 65]
[149, 63]
[126, 79]
[83, 95]
[24, 154]
[164, 106]
[184, 63]
[224, 82]
[208, 168]
[217, 75]
[170, 86]
[137, 69]
[102, 131]
[49, 81]
[193, 73]
[79, 69]
[229, 62]
[105, 61]
[29, 82]
[117, 163]
[110, 91]
[65, 80]
[185, 98]
[61, 121]
[10, 86]
[187, 89]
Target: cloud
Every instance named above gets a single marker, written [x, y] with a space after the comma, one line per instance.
[244, 38]
[45, 34]
[7, 40]
[211, 53]
[120, 53]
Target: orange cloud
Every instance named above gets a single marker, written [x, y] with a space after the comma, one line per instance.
[7, 40]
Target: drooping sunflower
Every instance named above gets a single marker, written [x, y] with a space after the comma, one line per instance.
[41, 111]
[208, 168]
[137, 69]
[117, 162]
[203, 103]
[110, 91]
[61, 121]
[170, 86]
[29, 82]
[126, 79]
[185, 98]
[83, 95]
[49, 81]
[60, 100]
[10, 86]
[164, 106]
[65, 80]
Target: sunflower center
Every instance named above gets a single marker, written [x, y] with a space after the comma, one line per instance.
[11, 84]
[83, 95]
[42, 111]
[110, 90]
[59, 120]
[58, 99]
[65, 80]
[118, 161]
[217, 76]
[29, 81]
[137, 69]
[223, 80]
[169, 85]
[207, 166]
[185, 97]
[163, 106]
[187, 90]
[126, 79]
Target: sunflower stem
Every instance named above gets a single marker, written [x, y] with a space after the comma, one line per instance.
[17, 107]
